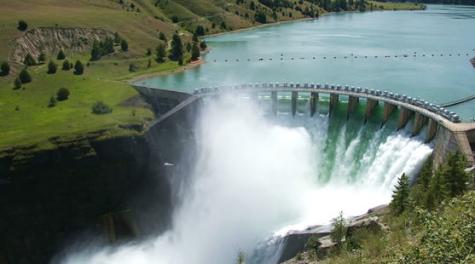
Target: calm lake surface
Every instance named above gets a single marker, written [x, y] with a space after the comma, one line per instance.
[439, 30]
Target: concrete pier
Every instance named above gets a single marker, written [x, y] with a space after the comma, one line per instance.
[294, 102]
[334, 98]
[388, 110]
[404, 116]
[431, 130]
[419, 121]
[370, 105]
[275, 102]
[353, 102]
[313, 103]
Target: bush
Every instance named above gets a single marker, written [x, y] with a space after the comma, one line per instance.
[124, 46]
[17, 84]
[100, 108]
[25, 76]
[62, 94]
[52, 102]
[195, 52]
[4, 69]
[42, 58]
[133, 67]
[22, 25]
[161, 53]
[78, 68]
[52, 68]
[29, 60]
[66, 65]
[339, 229]
[61, 55]
[200, 30]
[203, 45]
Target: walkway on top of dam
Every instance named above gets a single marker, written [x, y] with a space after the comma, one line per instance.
[447, 119]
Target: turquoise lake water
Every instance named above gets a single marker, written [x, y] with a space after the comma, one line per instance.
[288, 50]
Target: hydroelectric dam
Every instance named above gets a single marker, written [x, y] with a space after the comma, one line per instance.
[442, 127]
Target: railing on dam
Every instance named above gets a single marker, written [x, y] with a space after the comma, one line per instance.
[415, 104]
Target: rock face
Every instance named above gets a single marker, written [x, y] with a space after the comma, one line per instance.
[52, 39]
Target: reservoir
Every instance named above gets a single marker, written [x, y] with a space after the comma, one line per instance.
[429, 51]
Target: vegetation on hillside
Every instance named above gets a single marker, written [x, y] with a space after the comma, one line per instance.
[432, 221]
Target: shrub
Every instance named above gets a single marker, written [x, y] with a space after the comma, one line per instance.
[203, 45]
[100, 108]
[133, 67]
[195, 52]
[29, 60]
[78, 68]
[339, 229]
[17, 83]
[25, 76]
[52, 102]
[66, 65]
[61, 55]
[52, 68]
[42, 58]
[22, 25]
[162, 37]
[161, 53]
[124, 46]
[200, 30]
[4, 69]
[62, 94]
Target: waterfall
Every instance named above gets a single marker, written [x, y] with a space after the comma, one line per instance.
[258, 176]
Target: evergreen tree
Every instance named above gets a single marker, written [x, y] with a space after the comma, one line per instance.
[22, 25]
[78, 68]
[61, 55]
[62, 94]
[176, 52]
[195, 52]
[361, 5]
[437, 189]
[25, 76]
[52, 101]
[108, 46]
[419, 191]
[124, 46]
[161, 53]
[29, 60]
[200, 30]
[66, 65]
[117, 38]
[4, 69]
[456, 177]
[42, 57]
[52, 67]
[96, 52]
[400, 197]
[162, 37]
[17, 84]
[338, 231]
[203, 45]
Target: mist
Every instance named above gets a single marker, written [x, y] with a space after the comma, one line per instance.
[259, 176]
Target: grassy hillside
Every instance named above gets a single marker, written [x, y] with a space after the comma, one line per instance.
[26, 117]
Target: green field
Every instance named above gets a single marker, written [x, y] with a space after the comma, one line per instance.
[396, 5]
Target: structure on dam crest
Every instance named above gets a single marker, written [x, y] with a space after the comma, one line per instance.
[443, 127]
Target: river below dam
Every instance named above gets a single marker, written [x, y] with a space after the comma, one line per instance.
[256, 176]
[443, 31]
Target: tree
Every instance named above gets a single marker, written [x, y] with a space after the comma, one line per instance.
[117, 38]
[195, 52]
[52, 102]
[22, 25]
[25, 76]
[66, 65]
[162, 37]
[17, 84]
[96, 52]
[200, 30]
[241, 258]
[29, 60]
[176, 52]
[148, 52]
[52, 67]
[400, 196]
[62, 94]
[124, 46]
[260, 17]
[437, 189]
[100, 108]
[338, 231]
[456, 177]
[78, 68]
[61, 55]
[161, 53]
[4, 69]
[203, 45]
[361, 5]
[42, 57]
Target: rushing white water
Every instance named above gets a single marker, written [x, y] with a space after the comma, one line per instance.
[256, 177]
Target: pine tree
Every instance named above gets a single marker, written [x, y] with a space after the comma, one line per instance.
[161, 53]
[400, 197]
[25, 76]
[52, 67]
[124, 46]
[437, 189]
[339, 229]
[176, 52]
[96, 52]
[22, 25]
[66, 65]
[52, 101]
[29, 60]
[203, 45]
[162, 37]
[61, 55]
[4, 69]
[78, 68]
[42, 57]
[456, 177]
[195, 52]
[17, 84]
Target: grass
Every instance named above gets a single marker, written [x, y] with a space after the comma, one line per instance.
[397, 5]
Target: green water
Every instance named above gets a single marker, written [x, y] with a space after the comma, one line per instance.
[438, 30]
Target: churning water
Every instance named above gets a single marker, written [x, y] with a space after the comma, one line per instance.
[258, 176]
